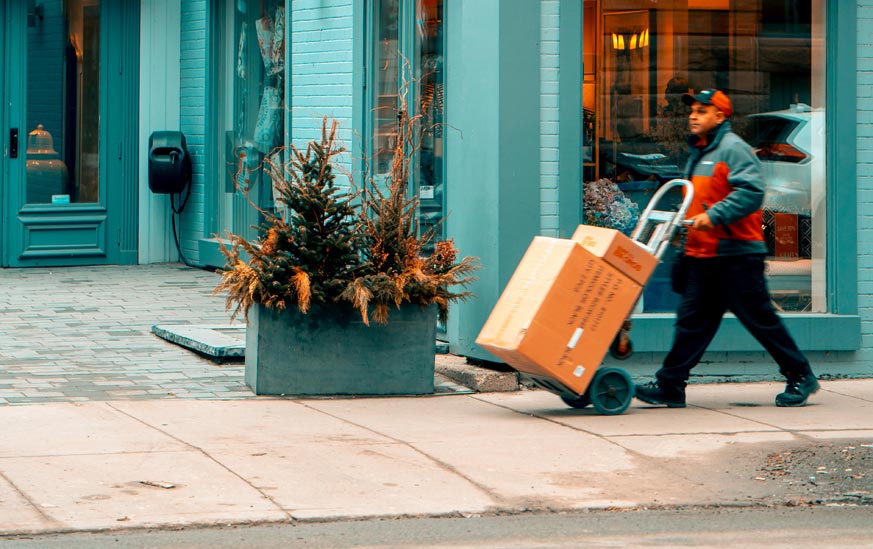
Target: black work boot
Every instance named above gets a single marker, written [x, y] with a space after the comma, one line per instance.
[654, 393]
[797, 391]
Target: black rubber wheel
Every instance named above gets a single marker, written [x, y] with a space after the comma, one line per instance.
[577, 402]
[611, 391]
[618, 353]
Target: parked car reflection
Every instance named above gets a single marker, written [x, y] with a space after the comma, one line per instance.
[788, 144]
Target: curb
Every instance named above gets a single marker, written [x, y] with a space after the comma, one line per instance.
[474, 377]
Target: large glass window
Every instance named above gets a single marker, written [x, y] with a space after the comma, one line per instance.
[768, 56]
[408, 55]
[63, 102]
[386, 85]
[251, 108]
[429, 58]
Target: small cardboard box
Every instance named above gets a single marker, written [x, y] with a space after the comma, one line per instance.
[560, 312]
[618, 250]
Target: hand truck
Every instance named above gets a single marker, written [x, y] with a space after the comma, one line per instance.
[611, 389]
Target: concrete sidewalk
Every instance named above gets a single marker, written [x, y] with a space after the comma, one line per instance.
[118, 464]
[103, 426]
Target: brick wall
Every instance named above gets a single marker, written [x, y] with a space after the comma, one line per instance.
[192, 119]
[320, 53]
[865, 169]
[549, 77]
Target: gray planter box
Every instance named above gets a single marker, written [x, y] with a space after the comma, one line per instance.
[330, 351]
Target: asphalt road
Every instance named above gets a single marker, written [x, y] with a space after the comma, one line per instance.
[771, 527]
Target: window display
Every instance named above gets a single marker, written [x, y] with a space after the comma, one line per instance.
[768, 56]
[250, 93]
[63, 107]
[419, 70]
[431, 78]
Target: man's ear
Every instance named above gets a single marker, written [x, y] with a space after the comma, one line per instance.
[719, 116]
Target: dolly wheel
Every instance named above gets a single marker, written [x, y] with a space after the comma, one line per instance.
[622, 347]
[611, 391]
[577, 401]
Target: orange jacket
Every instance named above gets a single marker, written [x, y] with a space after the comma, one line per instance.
[727, 185]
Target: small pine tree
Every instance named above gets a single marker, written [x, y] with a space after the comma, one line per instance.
[308, 251]
[396, 268]
[326, 244]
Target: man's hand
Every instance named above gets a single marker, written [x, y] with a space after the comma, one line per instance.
[701, 222]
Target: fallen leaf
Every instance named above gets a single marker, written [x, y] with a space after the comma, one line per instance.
[164, 485]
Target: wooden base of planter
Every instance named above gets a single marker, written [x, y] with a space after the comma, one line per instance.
[330, 351]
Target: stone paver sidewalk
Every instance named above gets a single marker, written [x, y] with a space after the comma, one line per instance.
[84, 333]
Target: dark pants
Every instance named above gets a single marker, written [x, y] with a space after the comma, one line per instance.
[714, 286]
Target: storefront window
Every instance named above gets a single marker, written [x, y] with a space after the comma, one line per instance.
[251, 109]
[386, 85]
[429, 53]
[768, 56]
[63, 103]
[399, 70]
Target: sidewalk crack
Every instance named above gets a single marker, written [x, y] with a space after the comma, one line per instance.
[440, 463]
[208, 456]
[52, 521]
[646, 461]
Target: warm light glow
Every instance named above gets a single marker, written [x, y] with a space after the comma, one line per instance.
[635, 40]
[709, 5]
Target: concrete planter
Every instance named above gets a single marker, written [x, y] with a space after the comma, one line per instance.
[330, 351]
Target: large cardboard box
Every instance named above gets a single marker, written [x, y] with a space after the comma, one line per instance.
[561, 310]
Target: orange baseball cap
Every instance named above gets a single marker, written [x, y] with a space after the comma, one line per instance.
[711, 97]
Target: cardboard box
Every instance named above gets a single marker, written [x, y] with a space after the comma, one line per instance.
[561, 310]
[618, 250]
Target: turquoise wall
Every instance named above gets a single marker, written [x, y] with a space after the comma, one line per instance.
[549, 117]
[864, 192]
[159, 103]
[192, 120]
[492, 148]
[320, 53]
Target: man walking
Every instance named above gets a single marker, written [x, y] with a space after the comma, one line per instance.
[723, 267]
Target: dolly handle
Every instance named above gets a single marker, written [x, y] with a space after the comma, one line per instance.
[663, 223]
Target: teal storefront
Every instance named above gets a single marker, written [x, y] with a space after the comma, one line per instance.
[526, 104]
[70, 75]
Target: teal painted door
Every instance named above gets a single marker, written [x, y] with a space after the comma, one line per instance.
[70, 192]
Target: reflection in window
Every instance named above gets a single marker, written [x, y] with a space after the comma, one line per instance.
[431, 78]
[251, 107]
[386, 84]
[63, 103]
[422, 72]
[768, 56]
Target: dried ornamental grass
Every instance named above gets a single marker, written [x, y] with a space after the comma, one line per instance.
[324, 245]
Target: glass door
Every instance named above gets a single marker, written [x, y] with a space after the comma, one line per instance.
[250, 110]
[62, 58]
